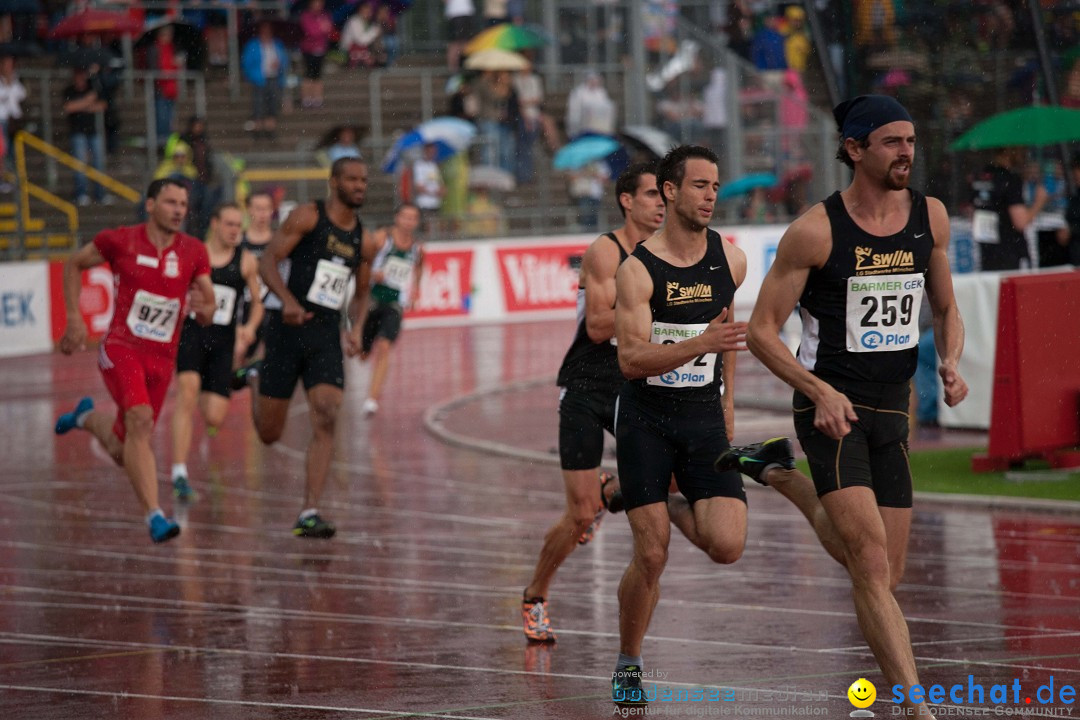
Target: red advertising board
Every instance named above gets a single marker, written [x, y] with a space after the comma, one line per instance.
[95, 300]
[445, 284]
[539, 277]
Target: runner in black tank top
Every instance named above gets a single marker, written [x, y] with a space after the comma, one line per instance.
[326, 245]
[204, 362]
[673, 323]
[590, 379]
[859, 264]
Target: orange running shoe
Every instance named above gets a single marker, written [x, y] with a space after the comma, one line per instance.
[534, 616]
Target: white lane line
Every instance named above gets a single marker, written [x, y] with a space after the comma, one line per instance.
[126, 695]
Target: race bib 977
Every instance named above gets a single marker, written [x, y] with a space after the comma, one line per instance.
[153, 317]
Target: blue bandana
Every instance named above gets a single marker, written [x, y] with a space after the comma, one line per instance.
[858, 117]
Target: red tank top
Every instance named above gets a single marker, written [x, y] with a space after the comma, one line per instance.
[150, 286]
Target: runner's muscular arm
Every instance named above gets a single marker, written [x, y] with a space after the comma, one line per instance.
[736, 260]
[380, 240]
[948, 325]
[74, 337]
[598, 269]
[249, 270]
[641, 358]
[418, 271]
[359, 301]
[300, 221]
[203, 303]
[805, 245]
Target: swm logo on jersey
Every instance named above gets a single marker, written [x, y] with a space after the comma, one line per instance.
[867, 262]
[682, 295]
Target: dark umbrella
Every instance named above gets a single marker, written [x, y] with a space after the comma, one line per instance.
[187, 39]
[93, 21]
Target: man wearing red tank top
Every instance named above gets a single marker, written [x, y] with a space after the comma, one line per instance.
[154, 266]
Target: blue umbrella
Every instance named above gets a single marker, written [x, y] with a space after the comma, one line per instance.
[584, 150]
[412, 140]
[746, 183]
[454, 131]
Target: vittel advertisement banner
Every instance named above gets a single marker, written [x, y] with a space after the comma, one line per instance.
[539, 277]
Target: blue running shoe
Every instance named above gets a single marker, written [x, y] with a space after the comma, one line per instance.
[66, 422]
[163, 528]
[626, 687]
[183, 490]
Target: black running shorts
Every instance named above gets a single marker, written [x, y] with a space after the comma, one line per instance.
[209, 352]
[311, 352]
[583, 418]
[381, 321]
[653, 443]
[874, 454]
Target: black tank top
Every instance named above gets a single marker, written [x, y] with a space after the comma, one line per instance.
[229, 284]
[860, 311]
[321, 264]
[590, 366]
[256, 249]
[683, 302]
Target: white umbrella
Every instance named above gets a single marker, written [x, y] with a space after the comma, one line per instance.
[495, 59]
[492, 178]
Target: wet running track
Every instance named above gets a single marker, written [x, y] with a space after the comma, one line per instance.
[413, 609]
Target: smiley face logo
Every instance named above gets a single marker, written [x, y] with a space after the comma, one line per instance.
[862, 693]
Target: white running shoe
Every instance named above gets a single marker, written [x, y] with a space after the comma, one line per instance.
[370, 406]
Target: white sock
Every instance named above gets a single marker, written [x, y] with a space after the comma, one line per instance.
[150, 515]
[80, 419]
[305, 514]
[179, 470]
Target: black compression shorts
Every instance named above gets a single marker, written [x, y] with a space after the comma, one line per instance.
[683, 440]
[383, 320]
[209, 352]
[311, 352]
[583, 418]
[874, 454]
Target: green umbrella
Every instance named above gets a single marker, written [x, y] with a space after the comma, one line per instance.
[1029, 126]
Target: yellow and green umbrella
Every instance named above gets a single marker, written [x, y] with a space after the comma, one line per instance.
[506, 36]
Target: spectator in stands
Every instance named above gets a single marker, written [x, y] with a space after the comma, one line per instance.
[82, 106]
[388, 25]
[484, 218]
[317, 28]
[495, 12]
[1069, 236]
[1070, 95]
[266, 65]
[587, 190]
[1001, 216]
[532, 122]
[589, 108]
[161, 58]
[427, 181]
[12, 94]
[206, 194]
[340, 141]
[496, 114]
[459, 28]
[682, 115]
[767, 46]
[796, 41]
[361, 37]
[177, 165]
